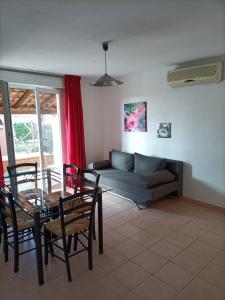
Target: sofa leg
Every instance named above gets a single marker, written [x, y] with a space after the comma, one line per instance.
[141, 206]
[177, 194]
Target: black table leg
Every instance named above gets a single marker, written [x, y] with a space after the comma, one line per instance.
[100, 223]
[37, 231]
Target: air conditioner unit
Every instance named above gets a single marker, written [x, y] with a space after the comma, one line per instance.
[195, 75]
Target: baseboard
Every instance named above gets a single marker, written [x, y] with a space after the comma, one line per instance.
[207, 205]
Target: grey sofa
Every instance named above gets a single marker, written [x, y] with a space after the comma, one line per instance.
[140, 178]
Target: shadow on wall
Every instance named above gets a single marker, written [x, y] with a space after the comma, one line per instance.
[199, 190]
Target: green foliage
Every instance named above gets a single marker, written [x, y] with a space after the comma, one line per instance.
[25, 131]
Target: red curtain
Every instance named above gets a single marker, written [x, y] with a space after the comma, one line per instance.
[74, 122]
[1, 171]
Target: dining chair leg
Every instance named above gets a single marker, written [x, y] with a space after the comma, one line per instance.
[66, 259]
[75, 242]
[46, 245]
[16, 252]
[69, 243]
[90, 256]
[94, 231]
[5, 244]
[33, 232]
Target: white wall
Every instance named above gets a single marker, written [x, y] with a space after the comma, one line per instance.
[198, 135]
[93, 120]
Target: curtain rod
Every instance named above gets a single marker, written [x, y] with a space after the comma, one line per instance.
[31, 71]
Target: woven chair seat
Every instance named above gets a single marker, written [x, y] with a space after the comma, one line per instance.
[24, 221]
[29, 194]
[75, 227]
[77, 202]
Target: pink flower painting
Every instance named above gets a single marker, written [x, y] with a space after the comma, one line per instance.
[135, 117]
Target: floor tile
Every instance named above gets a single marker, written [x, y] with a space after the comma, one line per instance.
[115, 221]
[219, 260]
[146, 221]
[193, 229]
[202, 250]
[214, 240]
[145, 239]
[130, 274]
[131, 296]
[199, 289]
[18, 289]
[166, 249]
[214, 274]
[210, 215]
[181, 297]
[155, 289]
[190, 262]
[110, 260]
[150, 261]
[161, 230]
[112, 238]
[180, 239]
[128, 230]
[174, 276]
[129, 248]
[62, 289]
[219, 228]
[108, 288]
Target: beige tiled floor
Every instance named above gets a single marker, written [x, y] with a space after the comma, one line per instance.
[172, 250]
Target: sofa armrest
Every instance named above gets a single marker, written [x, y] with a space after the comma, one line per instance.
[98, 165]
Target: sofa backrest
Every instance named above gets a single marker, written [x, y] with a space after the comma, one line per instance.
[121, 160]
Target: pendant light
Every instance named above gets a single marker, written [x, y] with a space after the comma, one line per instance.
[105, 80]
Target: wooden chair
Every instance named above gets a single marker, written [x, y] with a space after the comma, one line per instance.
[90, 179]
[21, 223]
[24, 179]
[71, 173]
[72, 223]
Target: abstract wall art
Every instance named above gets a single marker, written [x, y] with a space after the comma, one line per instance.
[135, 117]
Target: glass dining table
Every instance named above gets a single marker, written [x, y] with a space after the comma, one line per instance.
[41, 201]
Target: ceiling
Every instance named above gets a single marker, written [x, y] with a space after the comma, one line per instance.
[65, 36]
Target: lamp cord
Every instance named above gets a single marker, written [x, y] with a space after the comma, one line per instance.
[105, 64]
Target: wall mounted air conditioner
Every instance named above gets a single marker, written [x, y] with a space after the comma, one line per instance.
[195, 75]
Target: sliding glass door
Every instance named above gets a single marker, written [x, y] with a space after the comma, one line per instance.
[31, 129]
[49, 127]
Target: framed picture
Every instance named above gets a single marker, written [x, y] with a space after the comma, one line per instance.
[164, 130]
[135, 117]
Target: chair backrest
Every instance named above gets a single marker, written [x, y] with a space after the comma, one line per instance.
[71, 173]
[72, 214]
[89, 178]
[23, 173]
[7, 207]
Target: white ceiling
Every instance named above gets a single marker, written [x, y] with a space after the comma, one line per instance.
[65, 36]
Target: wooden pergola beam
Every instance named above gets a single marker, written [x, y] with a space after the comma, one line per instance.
[22, 99]
[51, 97]
[30, 111]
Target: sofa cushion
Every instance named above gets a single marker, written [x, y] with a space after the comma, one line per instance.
[122, 161]
[159, 177]
[147, 165]
[121, 179]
